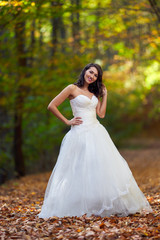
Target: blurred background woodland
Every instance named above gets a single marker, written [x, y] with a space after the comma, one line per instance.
[43, 47]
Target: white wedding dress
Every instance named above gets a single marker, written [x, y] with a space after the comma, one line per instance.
[90, 176]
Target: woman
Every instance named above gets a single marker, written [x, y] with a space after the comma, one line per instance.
[90, 176]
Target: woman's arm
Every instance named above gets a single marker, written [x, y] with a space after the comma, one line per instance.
[52, 107]
[101, 106]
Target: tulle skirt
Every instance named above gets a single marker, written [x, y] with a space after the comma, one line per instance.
[91, 177]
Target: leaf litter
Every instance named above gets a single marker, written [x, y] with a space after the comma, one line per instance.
[21, 201]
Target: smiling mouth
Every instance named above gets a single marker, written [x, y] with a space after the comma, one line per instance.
[90, 79]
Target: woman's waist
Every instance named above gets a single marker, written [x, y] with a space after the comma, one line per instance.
[87, 118]
[87, 122]
[85, 126]
[86, 115]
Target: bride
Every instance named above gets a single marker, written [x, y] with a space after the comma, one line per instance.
[90, 176]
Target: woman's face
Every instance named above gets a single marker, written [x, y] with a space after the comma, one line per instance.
[91, 75]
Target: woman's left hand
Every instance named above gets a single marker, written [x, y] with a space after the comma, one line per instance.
[104, 91]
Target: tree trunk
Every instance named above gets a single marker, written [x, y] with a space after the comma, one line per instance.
[18, 111]
[97, 30]
[55, 21]
[75, 19]
[41, 34]
[32, 45]
[63, 35]
[155, 8]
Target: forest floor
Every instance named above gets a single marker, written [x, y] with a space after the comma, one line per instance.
[20, 202]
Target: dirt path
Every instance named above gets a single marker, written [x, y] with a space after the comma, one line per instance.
[145, 166]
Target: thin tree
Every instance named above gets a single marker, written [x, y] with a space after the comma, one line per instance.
[156, 8]
[19, 100]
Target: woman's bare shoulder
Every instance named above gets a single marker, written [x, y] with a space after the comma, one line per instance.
[71, 88]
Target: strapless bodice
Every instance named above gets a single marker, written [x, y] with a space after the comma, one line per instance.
[84, 107]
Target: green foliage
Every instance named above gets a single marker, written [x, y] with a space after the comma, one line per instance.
[59, 39]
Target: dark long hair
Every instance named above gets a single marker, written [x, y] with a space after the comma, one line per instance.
[95, 87]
